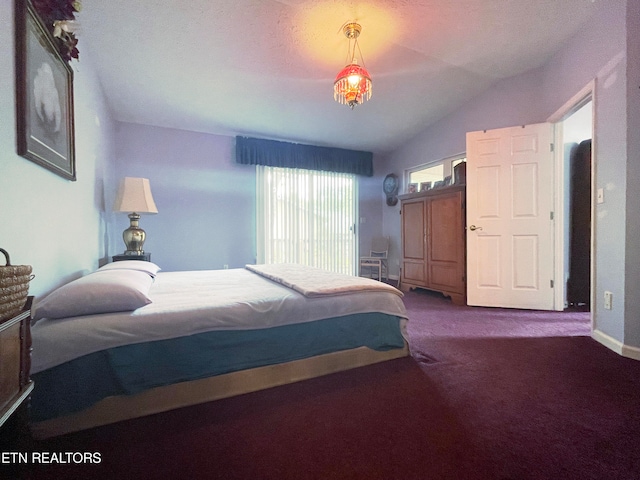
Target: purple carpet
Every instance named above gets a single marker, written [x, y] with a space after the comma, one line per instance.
[487, 394]
[433, 315]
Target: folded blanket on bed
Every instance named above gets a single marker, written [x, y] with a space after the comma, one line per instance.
[315, 282]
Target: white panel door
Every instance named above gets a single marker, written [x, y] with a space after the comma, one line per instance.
[510, 244]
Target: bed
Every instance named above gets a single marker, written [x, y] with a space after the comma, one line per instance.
[129, 340]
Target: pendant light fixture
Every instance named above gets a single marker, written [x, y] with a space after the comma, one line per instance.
[353, 83]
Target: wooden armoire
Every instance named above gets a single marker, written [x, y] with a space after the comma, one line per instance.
[434, 242]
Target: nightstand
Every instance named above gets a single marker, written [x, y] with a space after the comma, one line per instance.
[15, 361]
[146, 257]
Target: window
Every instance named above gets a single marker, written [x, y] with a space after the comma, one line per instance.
[433, 172]
[427, 174]
[307, 217]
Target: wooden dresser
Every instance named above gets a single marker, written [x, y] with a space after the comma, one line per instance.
[434, 242]
[15, 361]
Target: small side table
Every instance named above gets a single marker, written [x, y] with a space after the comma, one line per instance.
[15, 357]
[146, 257]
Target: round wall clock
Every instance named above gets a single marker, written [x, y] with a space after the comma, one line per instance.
[390, 187]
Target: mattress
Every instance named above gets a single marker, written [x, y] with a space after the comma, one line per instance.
[205, 324]
[188, 303]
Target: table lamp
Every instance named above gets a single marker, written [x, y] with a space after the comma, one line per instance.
[134, 196]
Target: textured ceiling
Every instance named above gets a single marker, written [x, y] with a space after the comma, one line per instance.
[266, 68]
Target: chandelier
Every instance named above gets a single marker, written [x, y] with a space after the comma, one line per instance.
[353, 83]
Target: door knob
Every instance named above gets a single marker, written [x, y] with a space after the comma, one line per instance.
[473, 228]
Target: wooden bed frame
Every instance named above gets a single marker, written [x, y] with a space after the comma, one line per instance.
[162, 399]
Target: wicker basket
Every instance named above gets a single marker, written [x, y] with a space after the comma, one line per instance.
[14, 287]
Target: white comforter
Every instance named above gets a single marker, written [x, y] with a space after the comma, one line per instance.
[186, 303]
[315, 282]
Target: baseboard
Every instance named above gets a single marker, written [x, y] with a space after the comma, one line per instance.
[631, 352]
[616, 345]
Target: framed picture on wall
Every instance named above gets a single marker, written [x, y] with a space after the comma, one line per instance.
[44, 95]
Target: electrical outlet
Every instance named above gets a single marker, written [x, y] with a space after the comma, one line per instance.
[608, 300]
[225, 266]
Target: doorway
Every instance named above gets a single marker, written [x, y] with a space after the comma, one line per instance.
[574, 123]
[577, 135]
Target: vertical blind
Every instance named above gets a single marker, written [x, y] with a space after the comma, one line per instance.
[307, 217]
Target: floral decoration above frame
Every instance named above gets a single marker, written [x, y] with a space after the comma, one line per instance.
[59, 18]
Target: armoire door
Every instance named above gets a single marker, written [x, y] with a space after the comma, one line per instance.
[413, 241]
[446, 242]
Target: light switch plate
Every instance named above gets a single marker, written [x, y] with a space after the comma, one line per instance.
[608, 300]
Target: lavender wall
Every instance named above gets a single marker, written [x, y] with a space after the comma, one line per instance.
[206, 201]
[632, 241]
[55, 225]
[371, 204]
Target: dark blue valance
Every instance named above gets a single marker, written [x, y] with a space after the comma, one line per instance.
[255, 151]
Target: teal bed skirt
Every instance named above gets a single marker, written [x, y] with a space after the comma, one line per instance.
[129, 369]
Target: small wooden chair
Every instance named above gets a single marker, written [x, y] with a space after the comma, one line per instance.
[376, 262]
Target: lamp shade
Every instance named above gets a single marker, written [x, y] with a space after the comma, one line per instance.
[134, 195]
[352, 85]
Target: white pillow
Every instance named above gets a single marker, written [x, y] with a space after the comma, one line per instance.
[98, 292]
[151, 268]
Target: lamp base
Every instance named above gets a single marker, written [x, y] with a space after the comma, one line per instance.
[134, 236]
[123, 256]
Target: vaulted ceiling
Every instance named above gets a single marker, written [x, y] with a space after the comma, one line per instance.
[266, 68]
